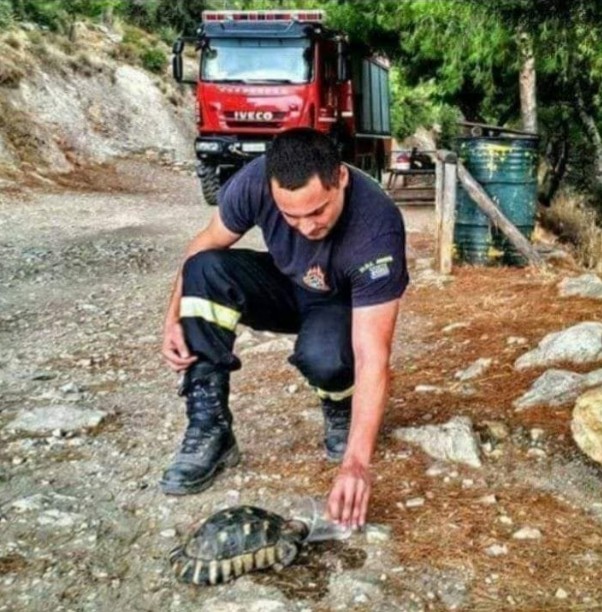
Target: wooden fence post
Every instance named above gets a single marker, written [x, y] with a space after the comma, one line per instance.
[445, 206]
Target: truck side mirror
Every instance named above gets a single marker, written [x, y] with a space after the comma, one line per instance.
[342, 61]
[176, 62]
[178, 47]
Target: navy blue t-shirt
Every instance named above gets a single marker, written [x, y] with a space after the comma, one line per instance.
[363, 256]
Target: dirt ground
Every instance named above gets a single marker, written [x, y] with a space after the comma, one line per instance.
[85, 271]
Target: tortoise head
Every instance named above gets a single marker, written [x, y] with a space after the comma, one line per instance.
[295, 530]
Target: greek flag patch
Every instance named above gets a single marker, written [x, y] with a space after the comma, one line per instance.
[378, 268]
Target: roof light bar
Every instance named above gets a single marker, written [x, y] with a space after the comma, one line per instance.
[303, 16]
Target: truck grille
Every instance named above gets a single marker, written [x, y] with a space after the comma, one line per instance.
[258, 120]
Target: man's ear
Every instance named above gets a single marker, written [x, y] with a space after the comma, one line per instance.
[343, 176]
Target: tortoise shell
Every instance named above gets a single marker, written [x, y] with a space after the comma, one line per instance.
[236, 541]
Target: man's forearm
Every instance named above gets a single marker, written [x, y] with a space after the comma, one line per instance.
[368, 407]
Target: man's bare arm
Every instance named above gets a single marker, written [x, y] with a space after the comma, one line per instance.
[215, 236]
[372, 334]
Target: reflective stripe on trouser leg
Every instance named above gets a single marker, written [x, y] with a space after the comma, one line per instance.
[209, 311]
[224, 287]
[335, 396]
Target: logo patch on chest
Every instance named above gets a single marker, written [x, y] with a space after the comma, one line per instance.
[315, 279]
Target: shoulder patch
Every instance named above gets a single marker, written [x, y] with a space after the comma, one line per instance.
[377, 268]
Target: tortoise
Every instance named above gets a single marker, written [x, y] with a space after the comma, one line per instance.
[236, 541]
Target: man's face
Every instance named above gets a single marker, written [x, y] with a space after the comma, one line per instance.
[312, 210]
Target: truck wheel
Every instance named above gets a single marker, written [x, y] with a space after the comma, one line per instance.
[210, 183]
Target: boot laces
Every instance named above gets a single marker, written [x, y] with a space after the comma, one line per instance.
[337, 418]
[207, 418]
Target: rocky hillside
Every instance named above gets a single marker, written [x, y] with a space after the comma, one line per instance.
[64, 103]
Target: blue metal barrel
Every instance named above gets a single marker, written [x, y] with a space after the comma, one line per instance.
[506, 168]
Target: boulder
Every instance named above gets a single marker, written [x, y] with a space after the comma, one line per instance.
[586, 285]
[452, 441]
[581, 343]
[50, 418]
[586, 425]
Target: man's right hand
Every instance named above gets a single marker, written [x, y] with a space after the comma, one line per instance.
[174, 348]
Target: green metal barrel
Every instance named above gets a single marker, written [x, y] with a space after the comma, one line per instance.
[506, 168]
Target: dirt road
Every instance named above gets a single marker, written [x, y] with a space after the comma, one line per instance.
[84, 278]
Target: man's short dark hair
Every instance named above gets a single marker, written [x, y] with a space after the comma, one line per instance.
[301, 153]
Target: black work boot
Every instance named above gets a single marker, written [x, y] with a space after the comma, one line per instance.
[209, 444]
[337, 419]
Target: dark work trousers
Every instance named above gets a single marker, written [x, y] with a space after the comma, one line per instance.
[224, 287]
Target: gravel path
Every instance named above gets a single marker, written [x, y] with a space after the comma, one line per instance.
[84, 279]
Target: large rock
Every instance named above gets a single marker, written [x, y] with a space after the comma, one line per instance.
[586, 285]
[587, 423]
[557, 387]
[452, 441]
[581, 343]
[48, 418]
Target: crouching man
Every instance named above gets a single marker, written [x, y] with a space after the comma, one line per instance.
[333, 275]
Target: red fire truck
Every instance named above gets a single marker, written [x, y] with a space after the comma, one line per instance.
[262, 72]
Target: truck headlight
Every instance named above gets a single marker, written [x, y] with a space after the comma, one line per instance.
[205, 146]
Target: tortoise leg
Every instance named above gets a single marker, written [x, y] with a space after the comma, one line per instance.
[286, 552]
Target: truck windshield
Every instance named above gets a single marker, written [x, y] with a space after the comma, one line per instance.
[257, 60]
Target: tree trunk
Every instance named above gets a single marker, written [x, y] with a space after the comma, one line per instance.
[591, 129]
[527, 84]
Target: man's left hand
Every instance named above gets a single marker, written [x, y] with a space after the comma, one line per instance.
[350, 494]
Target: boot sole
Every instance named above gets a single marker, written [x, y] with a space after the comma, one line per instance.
[230, 459]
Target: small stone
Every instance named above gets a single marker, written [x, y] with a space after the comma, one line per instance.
[527, 533]
[454, 326]
[488, 500]
[434, 471]
[292, 389]
[26, 504]
[168, 533]
[415, 502]
[496, 430]
[516, 340]
[70, 388]
[537, 453]
[467, 483]
[561, 594]
[376, 533]
[505, 520]
[536, 434]
[496, 550]
[44, 375]
[475, 369]
[18, 460]
[57, 518]
[428, 389]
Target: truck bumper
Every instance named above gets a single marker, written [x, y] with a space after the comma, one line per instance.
[229, 150]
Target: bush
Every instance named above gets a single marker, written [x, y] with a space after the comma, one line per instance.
[6, 14]
[154, 60]
[10, 74]
[574, 221]
[168, 35]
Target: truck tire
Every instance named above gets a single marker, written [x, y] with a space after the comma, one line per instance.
[210, 182]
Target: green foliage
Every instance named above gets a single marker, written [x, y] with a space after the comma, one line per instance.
[154, 60]
[6, 14]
